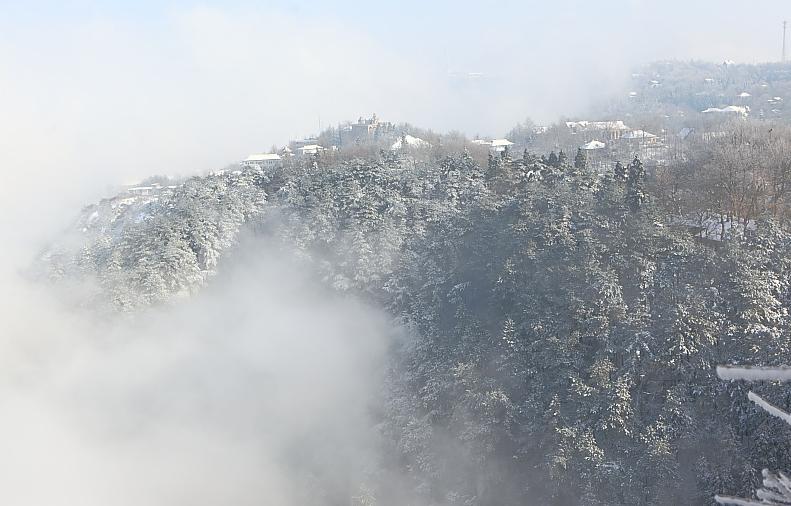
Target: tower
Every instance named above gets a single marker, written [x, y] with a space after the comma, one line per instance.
[784, 41]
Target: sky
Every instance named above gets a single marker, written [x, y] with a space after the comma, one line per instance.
[96, 94]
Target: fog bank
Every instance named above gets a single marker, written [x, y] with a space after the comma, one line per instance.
[256, 391]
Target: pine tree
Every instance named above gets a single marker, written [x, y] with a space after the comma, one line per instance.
[619, 172]
[562, 159]
[636, 194]
[580, 160]
[553, 159]
[492, 165]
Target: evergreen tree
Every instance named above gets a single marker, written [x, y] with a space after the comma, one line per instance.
[620, 173]
[580, 160]
[636, 194]
[562, 159]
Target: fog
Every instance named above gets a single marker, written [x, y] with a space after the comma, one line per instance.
[255, 392]
[97, 93]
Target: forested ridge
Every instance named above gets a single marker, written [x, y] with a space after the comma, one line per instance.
[563, 325]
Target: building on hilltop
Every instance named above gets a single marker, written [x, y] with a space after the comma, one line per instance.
[500, 145]
[606, 130]
[263, 160]
[311, 149]
[364, 130]
[297, 145]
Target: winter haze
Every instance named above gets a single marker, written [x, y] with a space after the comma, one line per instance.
[275, 382]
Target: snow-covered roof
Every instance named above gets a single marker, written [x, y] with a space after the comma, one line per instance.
[597, 125]
[732, 109]
[744, 94]
[609, 125]
[413, 142]
[501, 142]
[312, 147]
[638, 134]
[482, 142]
[260, 157]
[593, 145]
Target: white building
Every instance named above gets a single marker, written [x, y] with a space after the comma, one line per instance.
[610, 130]
[311, 149]
[262, 160]
[639, 135]
[500, 145]
[141, 190]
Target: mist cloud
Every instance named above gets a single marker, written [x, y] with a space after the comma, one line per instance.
[257, 391]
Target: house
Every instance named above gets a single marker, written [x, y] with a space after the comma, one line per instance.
[500, 145]
[481, 142]
[311, 149]
[610, 130]
[262, 161]
[298, 145]
[141, 190]
[640, 135]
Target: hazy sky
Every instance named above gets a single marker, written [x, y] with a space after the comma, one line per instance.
[96, 93]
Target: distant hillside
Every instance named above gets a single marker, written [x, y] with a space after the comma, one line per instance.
[677, 88]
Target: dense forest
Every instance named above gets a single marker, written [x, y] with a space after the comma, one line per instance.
[562, 326]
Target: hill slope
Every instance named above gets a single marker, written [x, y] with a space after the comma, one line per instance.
[563, 333]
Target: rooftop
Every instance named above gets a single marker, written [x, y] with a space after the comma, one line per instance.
[260, 157]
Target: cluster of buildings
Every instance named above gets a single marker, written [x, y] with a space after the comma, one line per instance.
[606, 141]
[364, 131]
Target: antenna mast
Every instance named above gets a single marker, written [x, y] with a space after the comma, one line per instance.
[784, 40]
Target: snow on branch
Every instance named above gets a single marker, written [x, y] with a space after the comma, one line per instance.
[748, 373]
[769, 408]
[776, 491]
[724, 499]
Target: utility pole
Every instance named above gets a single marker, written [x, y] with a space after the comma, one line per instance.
[784, 40]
